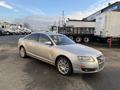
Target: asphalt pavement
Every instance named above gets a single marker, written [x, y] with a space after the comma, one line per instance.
[30, 74]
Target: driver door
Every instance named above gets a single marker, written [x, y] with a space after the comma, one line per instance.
[45, 50]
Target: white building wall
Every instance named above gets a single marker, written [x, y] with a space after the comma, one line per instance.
[107, 24]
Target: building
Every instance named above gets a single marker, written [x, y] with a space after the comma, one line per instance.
[111, 7]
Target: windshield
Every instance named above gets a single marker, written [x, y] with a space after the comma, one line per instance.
[61, 40]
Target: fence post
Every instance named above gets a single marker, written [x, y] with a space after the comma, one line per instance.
[110, 42]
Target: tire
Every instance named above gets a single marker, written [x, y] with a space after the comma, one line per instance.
[7, 33]
[78, 39]
[86, 39]
[0, 33]
[22, 52]
[64, 66]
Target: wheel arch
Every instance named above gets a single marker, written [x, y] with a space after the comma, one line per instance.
[21, 46]
[64, 57]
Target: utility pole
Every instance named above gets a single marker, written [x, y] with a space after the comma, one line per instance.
[59, 22]
[63, 18]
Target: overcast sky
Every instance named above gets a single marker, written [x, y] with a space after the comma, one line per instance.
[76, 9]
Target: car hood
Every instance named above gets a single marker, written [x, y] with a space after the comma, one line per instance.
[80, 50]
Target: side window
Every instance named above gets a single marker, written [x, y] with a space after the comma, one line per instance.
[43, 38]
[55, 39]
[33, 37]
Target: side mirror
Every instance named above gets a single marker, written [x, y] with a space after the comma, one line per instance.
[48, 43]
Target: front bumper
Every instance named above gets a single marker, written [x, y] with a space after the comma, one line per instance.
[89, 67]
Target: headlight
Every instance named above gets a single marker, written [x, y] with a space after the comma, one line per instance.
[85, 59]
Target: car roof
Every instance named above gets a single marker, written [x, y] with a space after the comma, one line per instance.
[47, 33]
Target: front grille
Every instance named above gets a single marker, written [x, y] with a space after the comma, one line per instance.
[89, 69]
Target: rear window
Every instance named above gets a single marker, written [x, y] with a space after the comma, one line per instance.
[33, 37]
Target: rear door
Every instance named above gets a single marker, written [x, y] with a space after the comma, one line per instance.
[32, 43]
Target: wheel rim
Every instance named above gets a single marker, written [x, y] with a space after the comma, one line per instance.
[22, 52]
[78, 39]
[63, 66]
[7, 33]
[86, 39]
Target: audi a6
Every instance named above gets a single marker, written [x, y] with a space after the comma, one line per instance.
[60, 51]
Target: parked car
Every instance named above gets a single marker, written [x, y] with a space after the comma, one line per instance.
[27, 31]
[10, 31]
[2, 32]
[62, 52]
[13, 31]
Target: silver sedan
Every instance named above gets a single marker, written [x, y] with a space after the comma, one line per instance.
[62, 52]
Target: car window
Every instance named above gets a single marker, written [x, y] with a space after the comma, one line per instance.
[61, 40]
[33, 37]
[44, 38]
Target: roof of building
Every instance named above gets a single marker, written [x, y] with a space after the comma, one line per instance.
[110, 6]
[102, 10]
